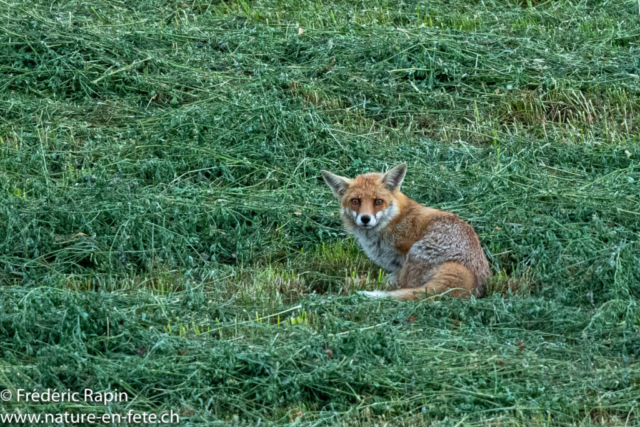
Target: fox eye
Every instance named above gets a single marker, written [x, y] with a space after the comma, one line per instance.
[378, 201]
[355, 201]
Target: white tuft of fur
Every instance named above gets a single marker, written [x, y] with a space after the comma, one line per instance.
[350, 212]
[374, 294]
[385, 216]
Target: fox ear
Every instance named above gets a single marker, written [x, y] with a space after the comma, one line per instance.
[337, 183]
[394, 177]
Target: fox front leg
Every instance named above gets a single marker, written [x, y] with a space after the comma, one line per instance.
[393, 279]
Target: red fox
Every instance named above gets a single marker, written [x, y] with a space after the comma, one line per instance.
[425, 250]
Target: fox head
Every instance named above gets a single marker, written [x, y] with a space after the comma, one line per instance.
[368, 200]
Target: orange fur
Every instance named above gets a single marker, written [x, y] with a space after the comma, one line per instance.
[450, 278]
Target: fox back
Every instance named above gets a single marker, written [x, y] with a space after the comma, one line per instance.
[425, 250]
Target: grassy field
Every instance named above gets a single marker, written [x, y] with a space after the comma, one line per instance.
[164, 229]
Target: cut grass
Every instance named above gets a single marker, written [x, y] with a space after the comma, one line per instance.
[166, 231]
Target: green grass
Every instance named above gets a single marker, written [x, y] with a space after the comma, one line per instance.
[164, 229]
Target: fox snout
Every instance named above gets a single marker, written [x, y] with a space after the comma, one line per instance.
[362, 219]
[365, 220]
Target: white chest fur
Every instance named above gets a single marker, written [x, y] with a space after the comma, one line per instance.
[379, 251]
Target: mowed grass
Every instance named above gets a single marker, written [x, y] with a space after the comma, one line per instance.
[164, 229]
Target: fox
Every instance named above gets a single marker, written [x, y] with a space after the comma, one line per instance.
[424, 250]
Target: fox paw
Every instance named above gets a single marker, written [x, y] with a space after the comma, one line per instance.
[373, 294]
[392, 280]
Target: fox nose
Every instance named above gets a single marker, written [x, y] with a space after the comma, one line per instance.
[365, 219]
